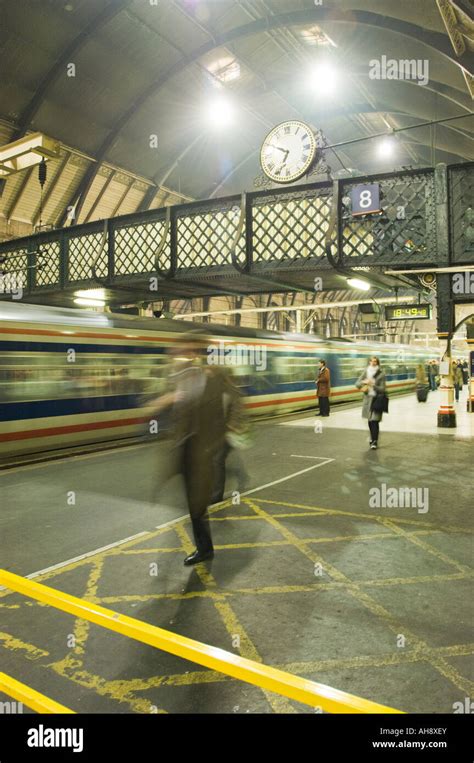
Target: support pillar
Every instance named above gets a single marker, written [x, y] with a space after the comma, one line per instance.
[446, 412]
[470, 397]
[299, 324]
[444, 298]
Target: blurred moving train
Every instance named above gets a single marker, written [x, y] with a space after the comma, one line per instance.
[71, 377]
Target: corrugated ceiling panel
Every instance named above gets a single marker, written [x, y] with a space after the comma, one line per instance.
[70, 179]
[173, 24]
[109, 200]
[6, 130]
[132, 201]
[26, 207]
[95, 189]
[11, 187]
[158, 200]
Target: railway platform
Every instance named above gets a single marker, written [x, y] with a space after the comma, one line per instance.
[312, 573]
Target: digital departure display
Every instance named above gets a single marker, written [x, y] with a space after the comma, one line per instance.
[407, 312]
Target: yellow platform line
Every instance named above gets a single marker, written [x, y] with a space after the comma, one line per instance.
[197, 677]
[30, 697]
[299, 689]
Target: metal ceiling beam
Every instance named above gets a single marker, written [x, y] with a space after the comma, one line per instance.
[51, 187]
[148, 198]
[99, 196]
[435, 40]
[124, 195]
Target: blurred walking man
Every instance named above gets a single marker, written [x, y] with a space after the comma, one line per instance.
[198, 425]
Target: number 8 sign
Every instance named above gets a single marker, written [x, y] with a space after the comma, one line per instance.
[365, 199]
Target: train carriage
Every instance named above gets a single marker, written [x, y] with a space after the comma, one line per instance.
[73, 377]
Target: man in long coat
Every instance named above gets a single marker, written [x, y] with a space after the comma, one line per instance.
[198, 426]
[323, 388]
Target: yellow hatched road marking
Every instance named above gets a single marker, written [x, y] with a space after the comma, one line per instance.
[360, 515]
[233, 626]
[120, 690]
[377, 609]
[116, 690]
[13, 643]
[425, 546]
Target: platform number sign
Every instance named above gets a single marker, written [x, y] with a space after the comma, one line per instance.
[365, 199]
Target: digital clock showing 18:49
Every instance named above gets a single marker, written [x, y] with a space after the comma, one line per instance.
[407, 312]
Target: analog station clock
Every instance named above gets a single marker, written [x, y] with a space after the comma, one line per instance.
[288, 151]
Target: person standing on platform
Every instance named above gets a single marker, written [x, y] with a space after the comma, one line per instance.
[457, 378]
[432, 375]
[323, 388]
[198, 425]
[372, 383]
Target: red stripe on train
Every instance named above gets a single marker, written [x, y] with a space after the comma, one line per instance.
[51, 431]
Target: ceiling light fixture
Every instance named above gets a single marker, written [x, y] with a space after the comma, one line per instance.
[386, 148]
[324, 78]
[357, 283]
[220, 112]
[89, 302]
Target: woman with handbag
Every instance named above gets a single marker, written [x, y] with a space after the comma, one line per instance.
[372, 383]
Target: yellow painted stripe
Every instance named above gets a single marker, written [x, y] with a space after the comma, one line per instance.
[30, 697]
[299, 689]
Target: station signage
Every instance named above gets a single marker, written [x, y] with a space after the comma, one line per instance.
[408, 312]
[366, 199]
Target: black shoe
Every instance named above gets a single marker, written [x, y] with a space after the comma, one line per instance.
[198, 556]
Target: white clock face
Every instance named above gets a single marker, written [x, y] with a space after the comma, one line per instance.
[288, 151]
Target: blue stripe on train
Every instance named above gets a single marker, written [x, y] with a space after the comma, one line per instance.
[39, 409]
[66, 345]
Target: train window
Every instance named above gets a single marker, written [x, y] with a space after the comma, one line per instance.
[44, 376]
[350, 367]
[294, 369]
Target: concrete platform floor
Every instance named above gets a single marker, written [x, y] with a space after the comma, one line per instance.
[308, 575]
